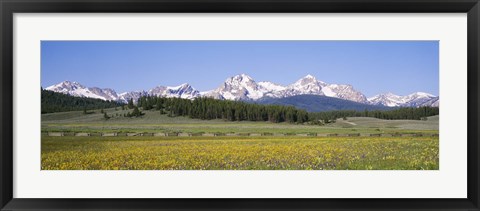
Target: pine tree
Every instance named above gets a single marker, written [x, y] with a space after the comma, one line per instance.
[130, 103]
[136, 112]
[105, 116]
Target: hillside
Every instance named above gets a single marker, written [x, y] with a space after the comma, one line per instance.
[316, 103]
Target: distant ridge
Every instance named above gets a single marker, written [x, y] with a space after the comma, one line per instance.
[316, 103]
[245, 88]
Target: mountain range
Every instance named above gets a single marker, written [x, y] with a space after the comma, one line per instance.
[245, 88]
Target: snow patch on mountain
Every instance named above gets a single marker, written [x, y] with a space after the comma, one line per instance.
[184, 91]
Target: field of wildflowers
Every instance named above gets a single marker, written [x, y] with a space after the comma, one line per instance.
[240, 153]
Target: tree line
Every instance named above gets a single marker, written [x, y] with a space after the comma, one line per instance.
[57, 102]
[209, 108]
[419, 113]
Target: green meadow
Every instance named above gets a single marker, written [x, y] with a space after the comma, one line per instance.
[293, 152]
[153, 121]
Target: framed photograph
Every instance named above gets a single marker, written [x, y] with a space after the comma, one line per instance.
[255, 105]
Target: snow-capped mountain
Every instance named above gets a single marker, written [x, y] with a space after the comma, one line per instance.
[76, 89]
[310, 85]
[239, 87]
[244, 87]
[412, 100]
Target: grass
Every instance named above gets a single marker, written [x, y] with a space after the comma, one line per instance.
[152, 121]
[239, 153]
[368, 122]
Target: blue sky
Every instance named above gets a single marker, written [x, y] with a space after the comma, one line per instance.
[372, 67]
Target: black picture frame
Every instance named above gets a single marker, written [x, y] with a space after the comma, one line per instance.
[9, 7]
